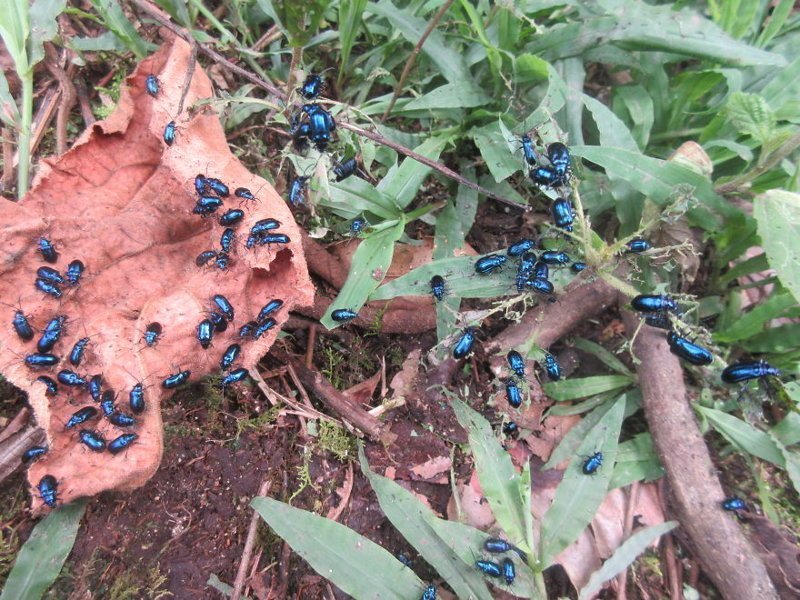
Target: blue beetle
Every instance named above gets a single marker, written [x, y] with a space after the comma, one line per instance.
[178, 379]
[540, 286]
[262, 328]
[563, 217]
[151, 84]
[121, 419]
[51, 387]
[312, 86]
[733, 504]
[516, 362]
[41, 359]
[268, 309]
[33, 453]
[429, 593]
[551, 257]
[76, 354]
[48, 490]
[229, 356]
[152, 333]
[48, 288]
[244, 194]
[345, 169]
[579, 266]
[95, 387]
[22, 326]
[513, 395]
[119, 444]
[653, 303]
[525, 269]
[205, 331]
[552, 367]
[81, 416]
[71, 378]
[136, 399]
[207, 205]
[234, 376]
[489, 264]
[509, 571]
[637, 245]
[51, 334]
[592, 463]
[487, 567]
[92, 440]
[48, 250]
[169, 133]
[546, 177]
[558, 154]
[437, 287]
[342, 315]
[226, 239]
[216, 186]
[264, 226]
[692, 353]
[50, 275]
[541, 270]
[225, 307]
[205, 257]
[531, 157]
[297, 191]
[231, 216]
[520, 247]
[745, 371]
[464, 343]
[511, 429]
[75, 271]
[357, 225]
[499, 545]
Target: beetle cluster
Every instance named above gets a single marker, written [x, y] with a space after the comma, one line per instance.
[506, 568]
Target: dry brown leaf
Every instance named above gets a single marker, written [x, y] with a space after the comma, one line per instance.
[432, 468]
[121, 201]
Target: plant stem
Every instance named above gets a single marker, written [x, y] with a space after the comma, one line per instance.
[785, 150]
[24, 140]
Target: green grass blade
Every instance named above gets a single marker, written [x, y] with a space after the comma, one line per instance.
[606, 356]
[742, 435]
[569, 444]
[115, 20]
[578, 496]
[493, 144]
[459, 94]
[14, 29]
[638, 103]
[402, 182]
[755, 320]
[350, 13]
[776, 20]
[358, 566]
[9, 113]
[40, 559]
[783, 338]
[777, 213]
[624, 556]
[437, 543]
[583, 387]
[44, 27]
[355, 196]
[373, 254]
[500, 482]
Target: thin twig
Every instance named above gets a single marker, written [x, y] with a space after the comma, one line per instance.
[68, 96]
[414, 53]
[187, 81]
[162, 18]
[249, 543]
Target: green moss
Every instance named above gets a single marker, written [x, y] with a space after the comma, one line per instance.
[337, 441]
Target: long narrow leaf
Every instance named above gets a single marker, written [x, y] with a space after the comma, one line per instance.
[579, 495]
[40, 560]
[624, 556]
[423, 530]
[571, 389]
[402, 182]
[500, 482]
[778, 216]
[358, 566]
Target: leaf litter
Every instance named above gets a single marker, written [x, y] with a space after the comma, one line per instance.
[121, 201]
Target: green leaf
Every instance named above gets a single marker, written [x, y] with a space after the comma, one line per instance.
[14, 29]
[403, 182]
[660, 180]
[784, 87]
[448, 61]
[115, 20]
[755, 320]
[40, 559]
[553, 101]
[783, 338]
[492, 143]
[458, 94]
[9, 113]
[751, 115]
[638, 103]
[432, 537]
[354, 196]
[742, 435]
[350, 14]
[624, 556]
[356, 565]
[636, 461]
[500, 482]
[777, 18]
[44, 27]
[374, 254]
[778, 216]
[529, 68]
[582, 387]
[752, 265]
[105, 42]
[606, 356]
[680, 32]
[578, 495]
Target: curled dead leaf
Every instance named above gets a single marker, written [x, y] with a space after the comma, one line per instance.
[121, 202]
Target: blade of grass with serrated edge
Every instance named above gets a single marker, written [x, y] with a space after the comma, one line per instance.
[583, 387]
[350, 12]
[578, 495]
[373, 254]
[417, 523]
[756, 320]
[402, 182]
[624, 556]
[607, 357]
[499, 479]
[356, 565]
[40, 559]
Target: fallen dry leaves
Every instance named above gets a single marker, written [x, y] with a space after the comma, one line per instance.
[121, 202]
